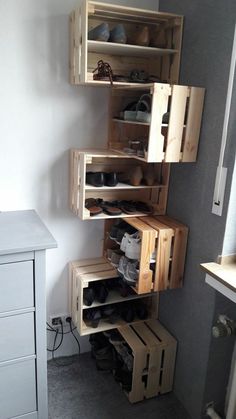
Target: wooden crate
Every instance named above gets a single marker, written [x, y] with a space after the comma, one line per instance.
[123, 58]
[168, 238]
[82, 273]
[154, 352]
[176, 141]
[106, 160]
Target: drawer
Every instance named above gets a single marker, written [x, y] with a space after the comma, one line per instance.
[16, 286]
[17, 389]
[17, 336]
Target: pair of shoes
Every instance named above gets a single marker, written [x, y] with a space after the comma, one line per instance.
[138, 175]
[97, 291]
[103, 352]
[138, 111]
[100, 179]
[97, 206]
[142, 36]
[114, 256]
[103, 33]
[118, 230]
[131, 245]
[128, 270]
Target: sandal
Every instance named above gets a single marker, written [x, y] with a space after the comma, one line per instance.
[109, 207]
[91, 205]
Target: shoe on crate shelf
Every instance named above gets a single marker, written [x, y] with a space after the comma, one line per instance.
[131, 273]
[118, 34]
[133, 247]
[141, 311]
[140, 37]
[101, 292]
[92, 205]
[93, 316]
[111, 179]
[99, 33]
[88, 296]
[122, 265]
[117, 226]
[126, 238]
[96, 179]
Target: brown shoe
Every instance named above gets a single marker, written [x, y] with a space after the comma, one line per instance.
[140, 37]
[135, 176]
[149, 175]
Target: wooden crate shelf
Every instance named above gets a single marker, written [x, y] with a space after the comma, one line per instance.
[168, 238]
[154, 352]
[82, 161]
[82, 273]
[84, 54]
[174, 142]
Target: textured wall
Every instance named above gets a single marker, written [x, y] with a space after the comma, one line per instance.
[189, 313]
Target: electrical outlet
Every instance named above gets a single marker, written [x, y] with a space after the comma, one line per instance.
[55, 320]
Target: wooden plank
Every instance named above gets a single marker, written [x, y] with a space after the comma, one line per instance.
[83, 271]
[77, 46]
[84, 41]
[71, 49]
[176, 43]
[155, 355]
[163, 253]
[178, 252]
[160, 99]
[193, 127]
[100, 275]
[168, 368]
[176, 123]
[160, 331]
[82, 180]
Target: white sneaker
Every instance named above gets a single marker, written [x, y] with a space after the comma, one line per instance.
[131, 273]
[133, 247]
[123, 262]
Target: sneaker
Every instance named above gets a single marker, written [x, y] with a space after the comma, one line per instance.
[131, 273]
[99, 33]
[133, 247]
[118, 35]
[115, 258]
[125, 240]
[122, 265]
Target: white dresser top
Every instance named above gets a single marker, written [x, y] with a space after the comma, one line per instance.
[23, 231]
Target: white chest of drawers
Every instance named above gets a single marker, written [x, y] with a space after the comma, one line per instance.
[23, 369]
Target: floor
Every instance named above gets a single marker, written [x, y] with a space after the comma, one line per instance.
[79, 391]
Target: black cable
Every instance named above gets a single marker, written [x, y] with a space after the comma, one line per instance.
[54, 348]
[62, 333]
[75, 337]
[51, 329]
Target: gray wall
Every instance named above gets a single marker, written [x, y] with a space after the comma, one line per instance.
[190, 312]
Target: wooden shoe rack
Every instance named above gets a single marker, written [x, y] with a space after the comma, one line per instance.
[168, 239]
[171, 142]
[84, 273]
[170, 134]
[82, 161]
[154, 351]
[84, 54]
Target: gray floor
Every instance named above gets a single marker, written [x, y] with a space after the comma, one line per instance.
[80, 391]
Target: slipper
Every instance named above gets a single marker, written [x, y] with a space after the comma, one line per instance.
[109, 207]
[91, 205]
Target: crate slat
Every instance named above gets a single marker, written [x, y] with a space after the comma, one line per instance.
[178, 252]
[193, 127]
[176, 123]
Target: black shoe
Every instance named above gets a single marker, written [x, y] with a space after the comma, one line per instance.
[95, 178]
[89, 296]
[110, 179]
[141, 311]
[101, 292]
[128, 314]
[94, 316]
